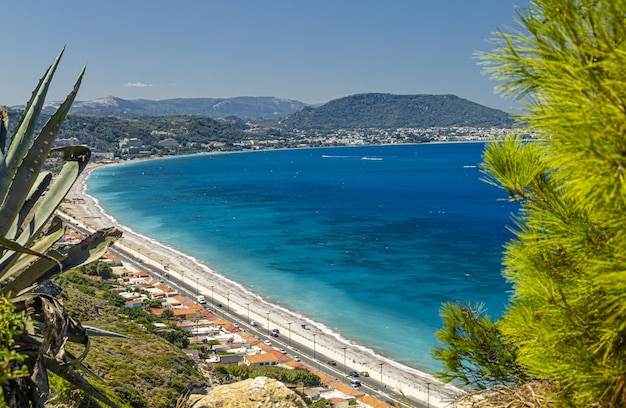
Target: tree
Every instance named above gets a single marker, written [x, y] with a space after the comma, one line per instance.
[167, 314]
[567, 318]
[98, 268]
[479, 355]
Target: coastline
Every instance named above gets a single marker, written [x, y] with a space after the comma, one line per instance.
[329, 344]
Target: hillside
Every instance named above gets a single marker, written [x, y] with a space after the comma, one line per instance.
[104, 133]
[141, 370]
[375, 110]
[245, 107]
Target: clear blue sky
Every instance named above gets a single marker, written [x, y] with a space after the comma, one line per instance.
[309, 50]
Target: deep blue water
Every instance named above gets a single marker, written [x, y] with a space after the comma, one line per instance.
[367, 240]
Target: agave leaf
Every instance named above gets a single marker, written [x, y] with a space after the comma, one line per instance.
[20, 141]
[15, 263]
[94, 331]
[4, 128]
[39, 188]
[21, 279]
[25, 175]
[88, 250]
[10, 245]
[41, 185]
[70, 375]
[91, 248]
[77, 158]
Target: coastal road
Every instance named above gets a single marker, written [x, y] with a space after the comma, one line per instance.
[311, 358]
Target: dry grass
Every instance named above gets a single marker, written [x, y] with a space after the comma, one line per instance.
[530, 395]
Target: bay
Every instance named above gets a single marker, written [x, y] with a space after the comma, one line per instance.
[370, 241]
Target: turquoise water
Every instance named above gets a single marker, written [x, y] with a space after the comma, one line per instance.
[369, 241]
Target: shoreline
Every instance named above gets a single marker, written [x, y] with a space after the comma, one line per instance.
[348, 354]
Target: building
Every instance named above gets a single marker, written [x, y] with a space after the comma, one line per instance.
[272, 357]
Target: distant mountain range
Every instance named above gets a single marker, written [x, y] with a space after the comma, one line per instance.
[371, 110]
[245, 107]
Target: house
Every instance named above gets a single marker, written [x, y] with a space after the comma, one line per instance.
[184, 313]
[373, 402]
[272, 357]
[111, 259]
[134, 304]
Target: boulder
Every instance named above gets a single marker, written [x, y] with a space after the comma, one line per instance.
[251, 393]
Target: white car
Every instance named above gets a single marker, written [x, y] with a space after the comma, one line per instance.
[283, 351]
[269, 343]
[253, 323]
[296, 358]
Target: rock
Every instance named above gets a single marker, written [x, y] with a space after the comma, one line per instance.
[256, 392]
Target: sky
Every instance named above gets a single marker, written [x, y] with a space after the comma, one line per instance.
[312, 51]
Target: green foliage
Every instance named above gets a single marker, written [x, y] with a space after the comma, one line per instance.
[177, 337]
[98, 268]
[567, 319]
[114, 298]
[11, 324]
[126, 393]
[285, 375]
[320, 404]
[104, 133]
[396, 111]
[476, 352]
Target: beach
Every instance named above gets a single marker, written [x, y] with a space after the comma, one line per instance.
[329, 345]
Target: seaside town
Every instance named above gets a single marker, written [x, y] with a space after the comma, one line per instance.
[236, 327]
[232, 339]
[167, 144]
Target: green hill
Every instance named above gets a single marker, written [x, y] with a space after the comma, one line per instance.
[375, 110]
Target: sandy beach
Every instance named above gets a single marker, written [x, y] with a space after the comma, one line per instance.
[328, 344]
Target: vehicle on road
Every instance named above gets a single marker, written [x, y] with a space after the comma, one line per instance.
[297, 358]
[332, 363]
[354, 374]
[275, 331]
[201, 299]
[253, 323]
[269, 343]
[282, 350]
[356, 383]
[365, 374]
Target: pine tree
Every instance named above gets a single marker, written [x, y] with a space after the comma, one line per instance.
[567, 319]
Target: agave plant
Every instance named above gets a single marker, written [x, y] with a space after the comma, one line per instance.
[28, 256]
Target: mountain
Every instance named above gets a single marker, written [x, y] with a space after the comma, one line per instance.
[387, 111]
[245, 107]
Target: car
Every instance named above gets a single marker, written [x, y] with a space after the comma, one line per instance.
[219, 305]
[275, 334]
[356, 384]
[275, 331]
[332, 363]
[282, 350]
[354, 374]
[236, 324]
[253, 323]
[297, 358]
[269, 343]
[364, 374]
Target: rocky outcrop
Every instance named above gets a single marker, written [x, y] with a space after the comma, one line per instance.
[252, 393]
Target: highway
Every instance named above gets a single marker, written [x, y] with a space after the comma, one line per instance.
[309, 357]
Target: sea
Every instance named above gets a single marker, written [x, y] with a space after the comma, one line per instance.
[369, 240]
